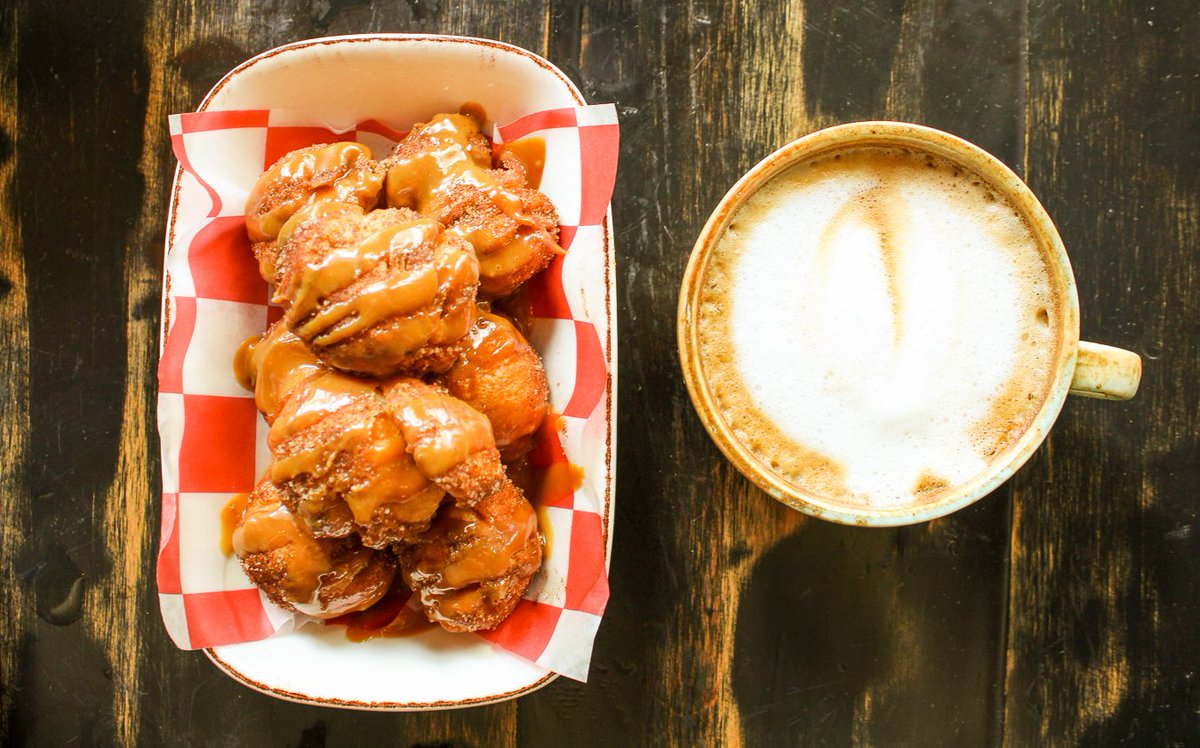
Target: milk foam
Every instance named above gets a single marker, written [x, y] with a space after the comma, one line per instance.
[890, 317]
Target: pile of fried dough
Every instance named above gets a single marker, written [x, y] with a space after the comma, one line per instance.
[394, 390]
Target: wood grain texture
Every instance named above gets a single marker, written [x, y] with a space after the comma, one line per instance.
[1105, 597]
[74, 194]
[14, 391]
[121, 600]
[1058, 611]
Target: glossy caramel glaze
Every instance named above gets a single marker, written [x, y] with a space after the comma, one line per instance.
[343, 463]
[272, 364]
[358, 463]
[267, 253]
[381, 294]
[389, 618]
[450, 441]
[231, 517]
[242, 371]
[545, 475]
[326, 173]
[530, 153]
[472, 566]
[320, 578]
[499, 374]
[443, 169]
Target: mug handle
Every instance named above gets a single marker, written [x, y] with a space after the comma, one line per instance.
[1105, 372]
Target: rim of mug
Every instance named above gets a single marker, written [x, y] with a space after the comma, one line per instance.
[851, 136]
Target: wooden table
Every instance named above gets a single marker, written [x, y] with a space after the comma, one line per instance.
[1061, 610]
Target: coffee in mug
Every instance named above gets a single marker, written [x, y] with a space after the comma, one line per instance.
[879, 324]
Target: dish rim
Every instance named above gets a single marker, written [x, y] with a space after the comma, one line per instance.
[611, 345]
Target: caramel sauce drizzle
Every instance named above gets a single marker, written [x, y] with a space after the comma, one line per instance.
[491, 340]
[268, 526]
[394, 479]
[319, 577]
[494, 373]
[371, 441]
[417, 180]
[337, 172]
[243, 370]
[355, 581]
[271, 366]
[475, 111]
[443, 430]
[453, 588]
[389, 618]
[231, 517]
[431, 269]
[315, 399]
[394, 294]
[296, 392]
[280, 367]
[502, 260]
[322, 210]
[531, 152]
[424, 179]
[546, 476]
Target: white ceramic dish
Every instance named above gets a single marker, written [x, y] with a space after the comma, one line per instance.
[397, 78]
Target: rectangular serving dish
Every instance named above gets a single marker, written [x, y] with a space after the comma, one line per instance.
[402, 79]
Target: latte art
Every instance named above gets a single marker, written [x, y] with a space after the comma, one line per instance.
[878, 326]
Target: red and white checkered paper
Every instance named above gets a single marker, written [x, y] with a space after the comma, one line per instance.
[214, 440]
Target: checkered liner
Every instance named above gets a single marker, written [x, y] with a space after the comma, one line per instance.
[214, 441]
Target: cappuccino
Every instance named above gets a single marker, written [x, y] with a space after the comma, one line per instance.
[877, 326]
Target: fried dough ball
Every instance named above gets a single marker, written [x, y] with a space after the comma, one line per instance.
[313, 212]
[442, 169]
[379, 294]
[499, 373]
[343, 465]
[472, 566]
[342, 173]
[272, 364]
[297, 571]
[450, 441]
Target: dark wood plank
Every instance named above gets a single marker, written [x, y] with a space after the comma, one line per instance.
[120, 613]
[1104, 603]
[76, 190]
[14, 392]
